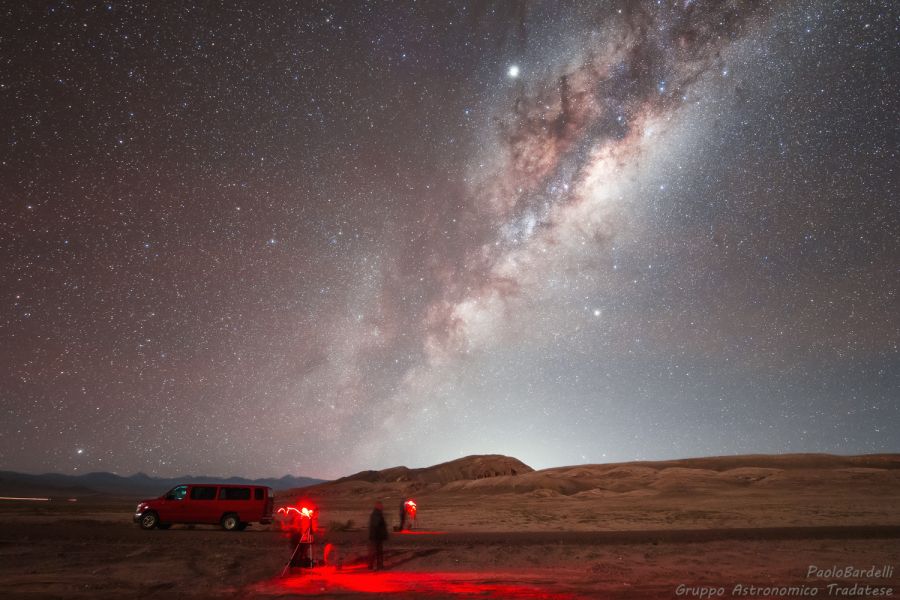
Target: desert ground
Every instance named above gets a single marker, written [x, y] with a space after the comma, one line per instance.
[637, 530]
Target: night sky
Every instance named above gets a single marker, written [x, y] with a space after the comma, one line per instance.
[315, 238]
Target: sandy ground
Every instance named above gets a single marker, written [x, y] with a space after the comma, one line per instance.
[472, 544]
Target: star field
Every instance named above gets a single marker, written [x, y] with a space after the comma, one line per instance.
[323, 237]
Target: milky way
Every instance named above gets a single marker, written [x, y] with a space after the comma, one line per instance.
[324, 238]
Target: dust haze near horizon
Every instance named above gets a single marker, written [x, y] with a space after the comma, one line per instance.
[318, 239]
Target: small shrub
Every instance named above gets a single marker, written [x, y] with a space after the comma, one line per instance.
[349, 525]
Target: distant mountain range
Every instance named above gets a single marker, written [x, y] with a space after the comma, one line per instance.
[486, 474]
[91, 484]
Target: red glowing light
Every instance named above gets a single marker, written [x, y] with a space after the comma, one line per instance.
[301, 512]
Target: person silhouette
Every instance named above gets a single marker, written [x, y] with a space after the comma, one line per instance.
[402, 515]
[378, 533]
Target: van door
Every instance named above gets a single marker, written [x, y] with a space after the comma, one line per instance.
[172, 508]
[202, 506]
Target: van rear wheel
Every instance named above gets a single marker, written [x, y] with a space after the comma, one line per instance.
[149, 520]
[230, 522]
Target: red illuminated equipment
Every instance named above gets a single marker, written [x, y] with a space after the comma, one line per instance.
[301, 525]
[411, 508]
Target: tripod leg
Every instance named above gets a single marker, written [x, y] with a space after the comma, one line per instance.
[290, 560]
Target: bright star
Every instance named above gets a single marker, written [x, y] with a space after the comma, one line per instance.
[513, 71]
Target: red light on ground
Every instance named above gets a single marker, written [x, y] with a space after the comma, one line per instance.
[359, 580]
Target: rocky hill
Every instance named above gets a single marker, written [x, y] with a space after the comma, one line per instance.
[467, 468]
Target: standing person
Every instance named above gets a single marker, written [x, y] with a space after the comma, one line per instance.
[377, 534]
[402, 514]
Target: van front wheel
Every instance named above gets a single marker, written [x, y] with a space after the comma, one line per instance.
[149, 520]
[230, 522]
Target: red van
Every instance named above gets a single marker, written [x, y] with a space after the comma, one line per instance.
[231, 506]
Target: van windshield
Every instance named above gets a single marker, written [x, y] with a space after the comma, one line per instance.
[177, 493]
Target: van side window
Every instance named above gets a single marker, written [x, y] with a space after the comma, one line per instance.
[203, 493]
[234, 494]
[258, 494]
